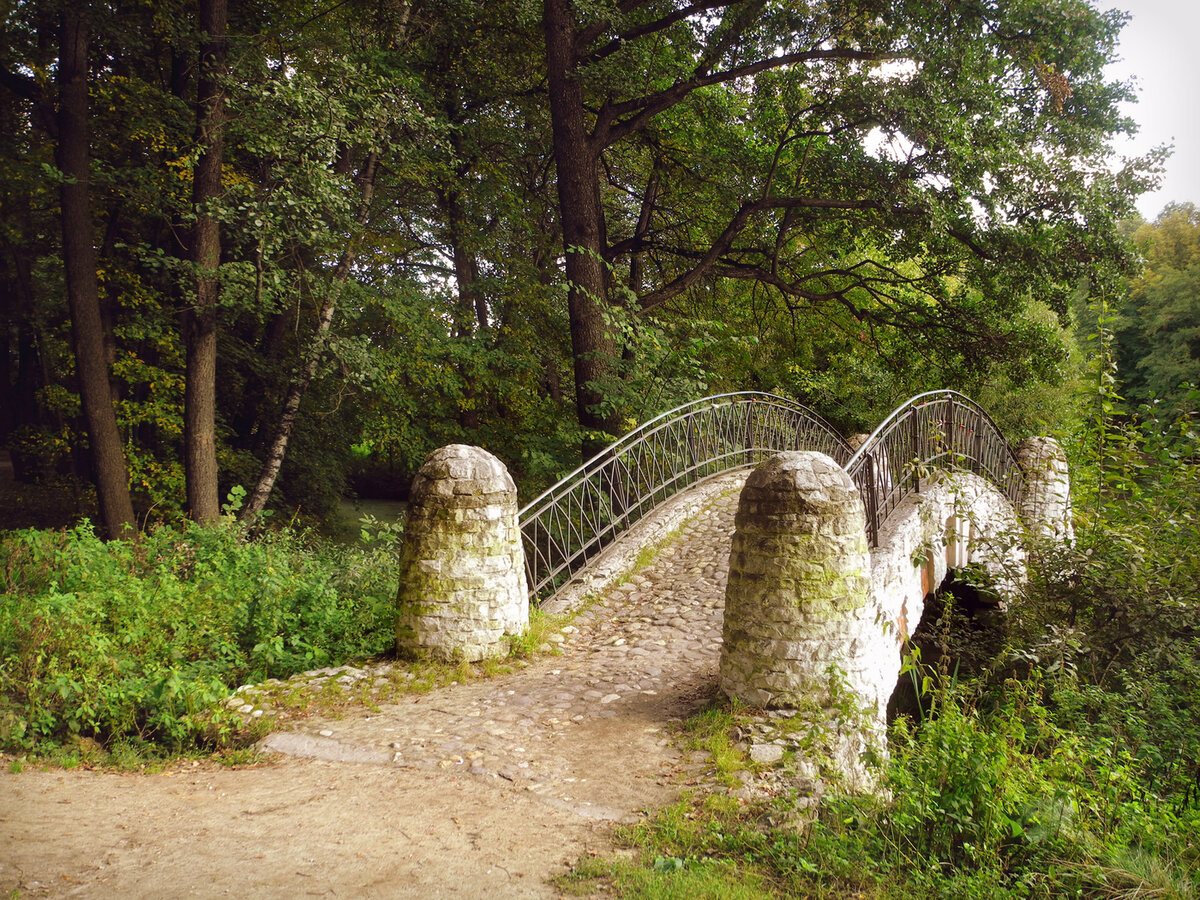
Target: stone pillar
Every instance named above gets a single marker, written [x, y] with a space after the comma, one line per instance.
[798, 604]
[462, 565]
[1045, 505]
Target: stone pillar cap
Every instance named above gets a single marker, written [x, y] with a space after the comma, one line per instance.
[800, 470]
[465, 464]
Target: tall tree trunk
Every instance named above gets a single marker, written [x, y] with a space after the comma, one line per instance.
[471, 316]
[200, 322]
[83, 296]
[582, 217]
[257, 500]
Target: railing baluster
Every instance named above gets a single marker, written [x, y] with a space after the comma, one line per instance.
[930, 428]
[576, 519]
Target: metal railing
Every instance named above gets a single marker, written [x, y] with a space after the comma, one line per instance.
[937, 429]
[575, 520]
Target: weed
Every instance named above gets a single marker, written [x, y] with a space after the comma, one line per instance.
[588, 876]
[710, 730]
[240, 757]
[537, 635]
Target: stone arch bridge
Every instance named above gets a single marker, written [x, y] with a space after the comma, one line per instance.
[836, 542]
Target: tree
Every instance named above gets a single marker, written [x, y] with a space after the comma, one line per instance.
[529, 224]
[200, 322]
[79, 260]
[1158, 330]
[257, 500]
[918, 165]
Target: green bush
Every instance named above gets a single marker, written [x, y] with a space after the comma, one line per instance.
[141, 638]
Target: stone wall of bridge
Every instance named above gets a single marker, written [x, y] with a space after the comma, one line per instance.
[957, 520]
[816, 624]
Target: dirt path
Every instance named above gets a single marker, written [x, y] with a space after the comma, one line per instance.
[485, 789]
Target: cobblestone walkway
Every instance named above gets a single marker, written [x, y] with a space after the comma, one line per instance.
[578, 726]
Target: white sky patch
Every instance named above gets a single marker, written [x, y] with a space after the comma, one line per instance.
[892, 147]
[1158, 49]
[893, 70]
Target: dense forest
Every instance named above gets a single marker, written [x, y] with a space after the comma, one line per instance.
[278, 245]
[258, 257]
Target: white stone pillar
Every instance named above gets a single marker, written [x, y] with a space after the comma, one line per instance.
[798, 605]
[1045, 505]
[462, 564]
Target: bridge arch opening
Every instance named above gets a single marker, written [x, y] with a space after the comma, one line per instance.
[961, 632]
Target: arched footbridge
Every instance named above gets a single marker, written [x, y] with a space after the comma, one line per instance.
[835, 544]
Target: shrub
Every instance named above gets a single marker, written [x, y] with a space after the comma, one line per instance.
[141, 638]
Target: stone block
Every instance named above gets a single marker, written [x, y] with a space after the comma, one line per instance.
[1045, 504]
[798, 576]
[462, 563]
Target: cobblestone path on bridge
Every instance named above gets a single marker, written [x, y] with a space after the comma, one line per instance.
[578, 728]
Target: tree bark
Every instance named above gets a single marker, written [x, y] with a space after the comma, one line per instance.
[83, 295]
[257, 501]
[471, 315]
[200, 322]
[576, 161]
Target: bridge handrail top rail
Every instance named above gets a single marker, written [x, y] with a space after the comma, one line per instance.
[915, 402]
[609, 452]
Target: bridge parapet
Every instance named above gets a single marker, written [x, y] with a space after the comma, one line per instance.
[574, 521]
[932, 431]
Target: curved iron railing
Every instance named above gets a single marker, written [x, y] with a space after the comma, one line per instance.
[572, 522]
[938, 428]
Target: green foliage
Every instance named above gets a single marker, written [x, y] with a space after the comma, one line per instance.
[140, 639]
[1158, 329]
[1017, 799]
[843, 233]
[535, 635]
[710, 731]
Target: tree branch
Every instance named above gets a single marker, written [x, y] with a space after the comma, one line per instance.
[609, 130]
[590, 34]
[21, 85]
[736, 225]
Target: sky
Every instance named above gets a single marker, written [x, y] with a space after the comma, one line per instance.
[1160, 48]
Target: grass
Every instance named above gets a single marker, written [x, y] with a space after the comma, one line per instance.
[1134, 874]
[535, 638]
[290, 698]
[710, 730]
[669, 878]
[238, 732]
[927, 835]
[136, 645]
[701, 846]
